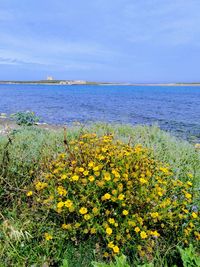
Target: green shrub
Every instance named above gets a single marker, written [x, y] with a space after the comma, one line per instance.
[118, 194]
[27, 118]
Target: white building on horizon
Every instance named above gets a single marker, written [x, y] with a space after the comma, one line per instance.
[50, 78]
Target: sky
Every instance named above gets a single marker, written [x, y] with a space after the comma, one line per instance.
[139, 41]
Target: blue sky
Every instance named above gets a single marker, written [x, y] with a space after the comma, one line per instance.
[103, 40]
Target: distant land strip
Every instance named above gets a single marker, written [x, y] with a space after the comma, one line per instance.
[74, 82]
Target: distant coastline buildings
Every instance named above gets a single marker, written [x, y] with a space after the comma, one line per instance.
[72, 82]
[50, 78]
[65, 82]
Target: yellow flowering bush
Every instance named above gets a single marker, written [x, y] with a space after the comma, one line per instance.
[117, 193]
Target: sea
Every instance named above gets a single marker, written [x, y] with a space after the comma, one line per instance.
[173, 108]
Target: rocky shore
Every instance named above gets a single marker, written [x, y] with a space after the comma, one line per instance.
[7, 125]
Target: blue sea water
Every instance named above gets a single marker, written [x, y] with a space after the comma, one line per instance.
[175, 109]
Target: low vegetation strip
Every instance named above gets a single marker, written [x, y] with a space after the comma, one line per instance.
[93, 193]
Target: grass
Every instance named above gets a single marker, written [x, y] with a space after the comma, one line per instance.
[25, 153]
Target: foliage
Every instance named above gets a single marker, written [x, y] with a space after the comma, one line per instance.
[65, 263]
[20, 157]
[27, 118]
[23, 226]
[117, 193]
[119, 262]
[189, 256]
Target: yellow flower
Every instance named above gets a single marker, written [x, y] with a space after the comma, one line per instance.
[114, 191]
[142, 253]
[165, 170]
[77, 225]
[197, 235]
[121, 196]
[63, 176]
[93, 230]
[160, 193]
[194, 215]
[140, 220]
[138, 148]
[115, 249]
[185, 210]
[95, 169]
[81, 169]
[91, 164]
[191, 224]
[111, 221]
[83, 210]
[155, 233]
[189, 183]
[91, 178]
[116, 173]
[125, 212]
[85, 173]
[107, 176]
[75, 178]
[60, 204]
[143, 235]
[61, 191]
[56, 171]
[113, 199]
[108, 231]
[68, 203]
[66, 226]
[48, 236]
[137, 229]
[107, 196]
[48, 176]
[131, 223]
[29, 193]
[143, 181]
[180, 215]
[40, 185]
[154, 215]
[188, 195]
[87, 217]
[62, 155]
[100, 183]
[110, 244]
[105, 255]
[101, 157]
[120, 187]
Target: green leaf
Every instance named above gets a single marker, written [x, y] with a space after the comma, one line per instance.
[119, 262]
[65, 263]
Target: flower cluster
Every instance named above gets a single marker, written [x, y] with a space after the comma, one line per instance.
[117, 193]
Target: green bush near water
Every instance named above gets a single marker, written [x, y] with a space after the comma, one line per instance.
[21, 160]
[27, 118]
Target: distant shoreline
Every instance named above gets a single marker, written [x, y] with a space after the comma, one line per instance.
[96, 83]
